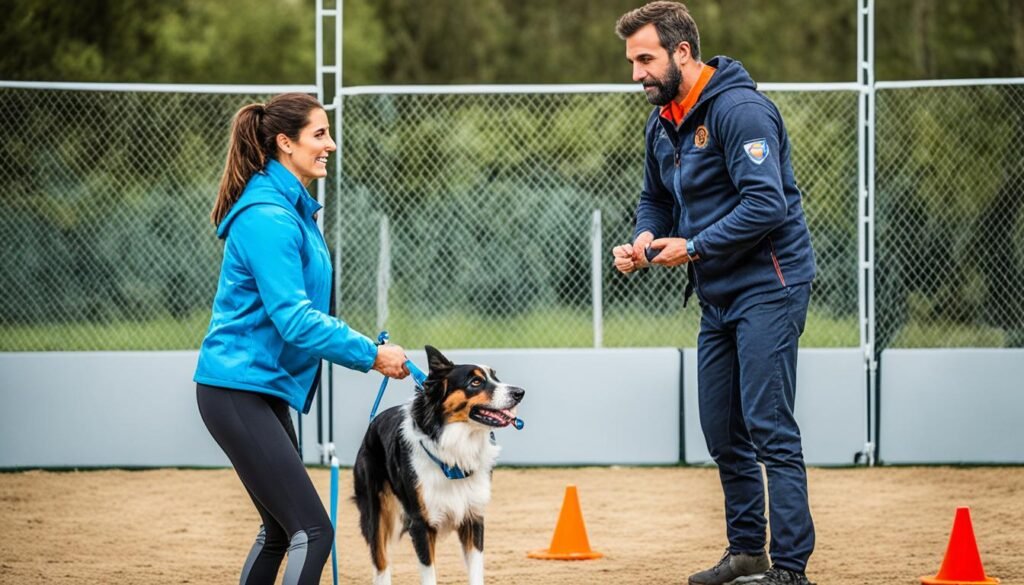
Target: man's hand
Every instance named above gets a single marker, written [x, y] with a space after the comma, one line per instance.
[391, 361]
[640, 245]
[623, 258]
[672, 251]
[625, 255]
[631, 257]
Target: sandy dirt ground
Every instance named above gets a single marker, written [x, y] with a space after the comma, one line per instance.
[654, 525]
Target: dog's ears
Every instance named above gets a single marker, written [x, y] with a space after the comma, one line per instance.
[436, 361]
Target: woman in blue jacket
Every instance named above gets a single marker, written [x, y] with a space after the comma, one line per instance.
[271, 326]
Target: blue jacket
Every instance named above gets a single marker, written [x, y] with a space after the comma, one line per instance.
[271, 321]
[724, 180]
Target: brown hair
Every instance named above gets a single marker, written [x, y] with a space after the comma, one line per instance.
[672, 21]
[253, 142]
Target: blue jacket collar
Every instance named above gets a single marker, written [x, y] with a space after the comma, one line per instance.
[285, 182]
[286, 191]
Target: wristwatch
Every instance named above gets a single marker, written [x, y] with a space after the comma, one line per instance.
[691, 250]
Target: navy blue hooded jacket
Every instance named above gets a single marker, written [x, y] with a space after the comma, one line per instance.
[724, 180]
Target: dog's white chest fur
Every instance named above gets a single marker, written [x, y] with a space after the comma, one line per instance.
[449, 502]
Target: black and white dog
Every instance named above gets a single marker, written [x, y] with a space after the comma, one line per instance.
[425, 467]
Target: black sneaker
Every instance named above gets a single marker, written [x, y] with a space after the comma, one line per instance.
[778, 576]
[733, 568]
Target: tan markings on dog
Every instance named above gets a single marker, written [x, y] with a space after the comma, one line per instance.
[457, 405]
[389, 510]
[480, 373]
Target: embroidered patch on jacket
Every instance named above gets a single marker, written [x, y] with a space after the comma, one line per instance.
[757, 150]
[700, 136]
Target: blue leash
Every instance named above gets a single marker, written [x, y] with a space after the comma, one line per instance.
[417, 375]
[420, 378]
[334, 516]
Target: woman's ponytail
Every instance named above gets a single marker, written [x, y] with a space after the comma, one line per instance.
[246, 156]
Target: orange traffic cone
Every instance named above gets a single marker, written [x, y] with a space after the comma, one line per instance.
[962, 563]
[570, 541]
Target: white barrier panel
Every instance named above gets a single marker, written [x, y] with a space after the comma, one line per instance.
[831, 406]
[582, 406]
[952, 406]
[84, 409]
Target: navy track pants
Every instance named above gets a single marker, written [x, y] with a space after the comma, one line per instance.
[746, 373]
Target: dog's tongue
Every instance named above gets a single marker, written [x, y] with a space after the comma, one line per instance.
[504, 418]
[513, 419]
[507, 416]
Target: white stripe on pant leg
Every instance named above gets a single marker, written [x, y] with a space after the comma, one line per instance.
[296, 558]
[257, 548]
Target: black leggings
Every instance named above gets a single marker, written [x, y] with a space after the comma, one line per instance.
[255, 431]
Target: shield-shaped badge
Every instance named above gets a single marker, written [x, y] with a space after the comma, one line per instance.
[757, 150]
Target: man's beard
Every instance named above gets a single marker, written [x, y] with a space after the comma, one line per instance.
[667, 88]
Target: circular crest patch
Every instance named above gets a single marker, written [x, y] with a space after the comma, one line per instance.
[700, 136]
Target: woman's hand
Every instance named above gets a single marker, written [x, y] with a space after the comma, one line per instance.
[391, 361]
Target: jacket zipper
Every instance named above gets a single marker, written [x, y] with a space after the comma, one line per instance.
[695, 284]
[775, 261]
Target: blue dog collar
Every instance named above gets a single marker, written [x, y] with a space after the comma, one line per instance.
[450, 471]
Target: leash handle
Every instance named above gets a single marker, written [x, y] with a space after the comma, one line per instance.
[382, 338]
[417, 374]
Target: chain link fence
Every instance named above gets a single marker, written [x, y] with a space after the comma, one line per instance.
[950, 216]
[470, 220]
[104, 216]
[488, 205]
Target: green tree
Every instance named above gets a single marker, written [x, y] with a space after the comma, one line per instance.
[490, 41]
[180, 41]
[941, 39]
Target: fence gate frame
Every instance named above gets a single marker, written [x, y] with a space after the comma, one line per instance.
[328, 92]
[866, 220]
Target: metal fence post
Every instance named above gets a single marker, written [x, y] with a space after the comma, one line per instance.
[596, 277]
[323, 70]
[383, 272]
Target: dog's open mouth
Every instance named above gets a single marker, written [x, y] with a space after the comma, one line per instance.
[491, 417]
